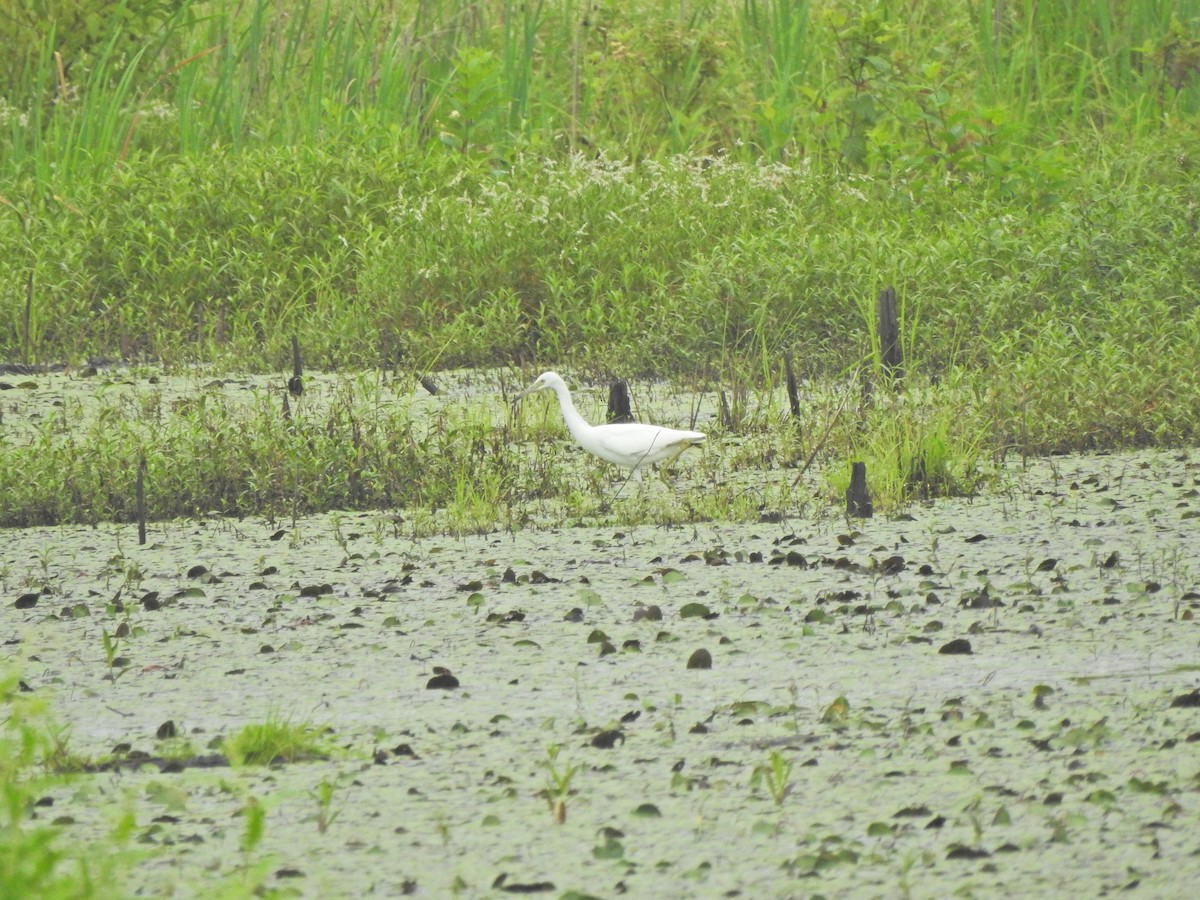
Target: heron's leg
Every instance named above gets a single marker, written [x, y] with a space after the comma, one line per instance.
[665, 467]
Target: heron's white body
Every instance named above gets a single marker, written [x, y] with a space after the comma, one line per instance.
[631, 444]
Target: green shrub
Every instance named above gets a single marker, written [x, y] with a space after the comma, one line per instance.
[38, 860]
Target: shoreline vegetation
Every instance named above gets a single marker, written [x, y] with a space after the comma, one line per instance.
[681, 193]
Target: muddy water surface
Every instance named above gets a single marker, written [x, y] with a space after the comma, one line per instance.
[911, 769]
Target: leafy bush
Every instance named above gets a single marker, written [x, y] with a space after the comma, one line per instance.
[38, 860]
[680, 266]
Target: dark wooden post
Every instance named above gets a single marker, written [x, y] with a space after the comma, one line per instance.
[890, 354]
[140, 500]
[793, 394]
[858, 498]
[618, 402]
[28, 314]
[726, 413]
[296, 382]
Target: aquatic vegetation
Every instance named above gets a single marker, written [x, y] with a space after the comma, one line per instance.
[830, 742]
[274, 740]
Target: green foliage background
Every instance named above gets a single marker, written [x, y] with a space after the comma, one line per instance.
[498, 182]
[675, 189]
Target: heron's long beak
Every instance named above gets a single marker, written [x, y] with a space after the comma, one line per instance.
[529, 390]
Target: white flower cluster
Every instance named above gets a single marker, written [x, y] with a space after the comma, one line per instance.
[8, 114]
[159, 109]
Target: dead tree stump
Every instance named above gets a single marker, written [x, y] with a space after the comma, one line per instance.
[296, 382]
[858, 498]
[792, 392]
[140, 501]
[891, 356]
[618, 402]
[726, 413]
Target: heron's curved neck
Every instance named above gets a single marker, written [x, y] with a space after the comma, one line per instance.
[576, 424]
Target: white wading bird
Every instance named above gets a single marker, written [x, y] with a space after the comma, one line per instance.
[629, 444]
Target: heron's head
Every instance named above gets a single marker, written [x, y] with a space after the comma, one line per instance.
[545, 381]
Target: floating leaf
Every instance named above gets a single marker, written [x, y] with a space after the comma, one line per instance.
[610, 849]
[606, 740]
[167, 795]
[1188, 700]
[960, 851]
[1102, 797]
[589, 597]
[1147, 787]
[700, 659]
[958, 646]
[836, 712]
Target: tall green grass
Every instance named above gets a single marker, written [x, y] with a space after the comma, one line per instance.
[927, 84]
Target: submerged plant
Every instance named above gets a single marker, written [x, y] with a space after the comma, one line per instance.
[558, 783]
[276, 739]
[325, 815]
[111, 645]
[916, 445]
[775, 775]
